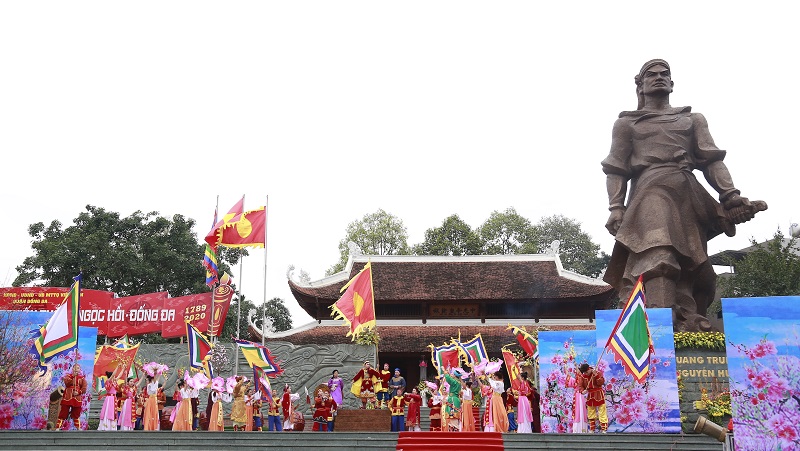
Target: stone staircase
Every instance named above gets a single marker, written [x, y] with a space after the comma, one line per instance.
[194, 441]
[336, 441]
[611, 442]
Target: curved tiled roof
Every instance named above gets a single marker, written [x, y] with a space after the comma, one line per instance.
[500, 278]
[413, 338]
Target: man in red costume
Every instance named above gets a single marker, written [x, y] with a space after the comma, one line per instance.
[397, 405]
[365, 383]
[324, 407]
[383, 392]
[71, 404]
[592, 382]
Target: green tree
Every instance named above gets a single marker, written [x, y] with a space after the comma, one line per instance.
[276, 311]
[378, 233]
[138, 254]
[507, 233]
[453, 237]
[771, 269]
[577, 251]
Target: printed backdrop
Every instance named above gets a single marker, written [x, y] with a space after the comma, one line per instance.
[560, 353]
[763, 336]
[24, 402]
[650, 407]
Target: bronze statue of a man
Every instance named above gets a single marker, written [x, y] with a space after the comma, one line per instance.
[663, 230]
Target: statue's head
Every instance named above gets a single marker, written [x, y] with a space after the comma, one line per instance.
[655, 76]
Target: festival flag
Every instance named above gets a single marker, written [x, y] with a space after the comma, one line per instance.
[445, 357]
[60, 333]
[210, 260]
[108, 358]
[526, 341]
[199, 349]
[513, 369]
[250, 230]
[233, 215]
[210, 263]
[630, 339]
[357, 305]
[257, 355]
[261, 383]
[473, 351]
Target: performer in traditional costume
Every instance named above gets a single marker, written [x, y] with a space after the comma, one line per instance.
[414, 404]
[365, 382]
[592, 382]
[161, 397]
[150, 414]
[435, 404]
[108, 412]
[323, 408]
[336, 387]
[511, 403]
[287, 405]
[383, 393]
[182, 415]
[72, 401]
[524, 414]
[238, 415]
[452, 411]
[255, 408]
[274, 415]
[495, 416]
[397, 405]
[127, 417]
[536, 412]
[216, 422]
[579, 416]
[467, 412]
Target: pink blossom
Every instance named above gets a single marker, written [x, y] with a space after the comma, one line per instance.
[666, 363]
[784, 428]
[566, 345]
[763, 378]
[6, 415]
[623, 415]
[777, 389]
[763, 349]
[754, 401]
[639, 412]
[39, 422]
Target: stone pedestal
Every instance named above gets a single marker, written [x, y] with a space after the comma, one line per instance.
[364, 420]
[699, 369]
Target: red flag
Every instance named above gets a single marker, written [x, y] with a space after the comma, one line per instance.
[513, 369]
[109, 358]
[233, 215]
[249, 231]
[357, 305]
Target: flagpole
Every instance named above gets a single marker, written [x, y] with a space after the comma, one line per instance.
[264, 301]
[211, 321]
[239, 307]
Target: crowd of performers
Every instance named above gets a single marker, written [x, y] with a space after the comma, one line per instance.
[127, 405]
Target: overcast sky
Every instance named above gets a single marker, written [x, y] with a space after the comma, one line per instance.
[335, 109]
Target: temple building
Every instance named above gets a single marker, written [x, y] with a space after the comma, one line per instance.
[424, 300]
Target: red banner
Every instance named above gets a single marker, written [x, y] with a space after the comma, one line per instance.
[222, 301]
[44, 298]
[136, 315]
[131, 315]
[195, 308]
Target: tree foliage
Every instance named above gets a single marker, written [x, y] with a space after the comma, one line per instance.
[577, 251]
[453, 237]
[276, 311]
[771, 269]
[507, 233]
[378, 233]
[141, 253]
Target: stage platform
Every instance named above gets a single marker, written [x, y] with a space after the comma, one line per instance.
[334, 441]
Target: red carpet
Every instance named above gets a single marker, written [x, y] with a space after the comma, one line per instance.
[441, 441]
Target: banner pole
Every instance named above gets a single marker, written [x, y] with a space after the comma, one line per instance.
[212, 333]
[264, 301]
